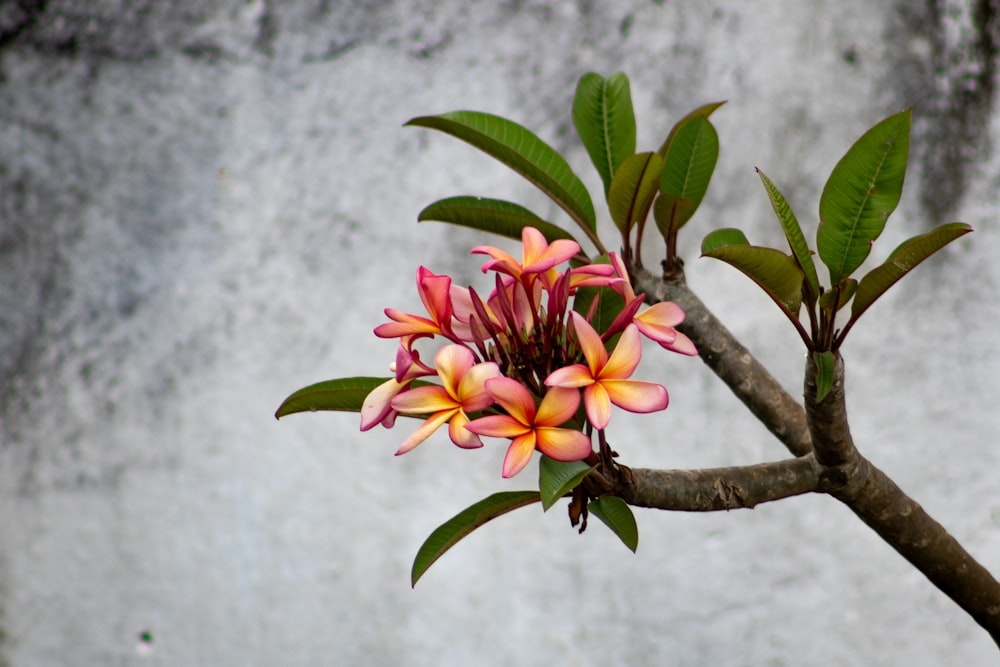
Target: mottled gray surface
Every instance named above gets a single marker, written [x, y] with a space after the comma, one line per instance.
[206, 205]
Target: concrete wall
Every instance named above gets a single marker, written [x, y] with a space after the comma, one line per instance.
[205, 205]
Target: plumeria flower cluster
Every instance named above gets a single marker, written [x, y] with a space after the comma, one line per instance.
[519, 361]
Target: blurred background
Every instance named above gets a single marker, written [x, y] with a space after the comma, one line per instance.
[206, 204]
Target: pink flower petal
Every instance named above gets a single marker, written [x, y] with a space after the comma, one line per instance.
[421, 400]
[590, 343]
[404, 324]
[625, 357]
[664, 314]
[636, 396]
[435, 292]
[576, 375]
[501, 261]
[598, 405]
[663, 335]
[533, 245]
[472, 390]
[433, 423]
[378, 403]
[460, 435]
[514, 398]
[557, 407]
[625, 289]
[558, 252]
[408, 364]
[497, 426]
[452, 363]
[563, 444]
[518, 454]
[682, 345]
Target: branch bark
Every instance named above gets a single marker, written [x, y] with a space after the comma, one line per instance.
[886, 509]
[715, 489]
[828, 462]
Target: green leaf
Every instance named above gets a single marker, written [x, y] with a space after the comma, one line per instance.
[452, 531]
[848, 286]
[632, 189]
[774, 271]
[491, 215]
[672, 212]
[557, 478]
[900, 262]
[723, 237]
[863, 189]
[347, 394]
[793, 232]
[704, 111]
[688, 167]
[605, 121]
[825, 362]
[617, 515]
[522, 151]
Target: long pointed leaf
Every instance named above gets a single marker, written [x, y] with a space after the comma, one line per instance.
[491, 215]
[774, 271]
[605, 121]
[793, 232]
[557, 478]
[901, 261]
[704, 111]
[633, 188]
[723, 237]
[452, 531]
[825, 364]
[522, 151]
[848, 286]
[863, 189]
[617, 515]
[347, 394]
[688, 167]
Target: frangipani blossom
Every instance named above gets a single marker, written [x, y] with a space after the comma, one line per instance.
[538, 256]
[435, 293]
[656, 322]
[461, 391]
[377, 406]
[605, 378]
[531, 428]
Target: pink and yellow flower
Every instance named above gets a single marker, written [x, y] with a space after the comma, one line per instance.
[538, 257]
[461, 391]
[531, 428]
[656, 322]
[435, 293]
[377, 406]
[604, 378]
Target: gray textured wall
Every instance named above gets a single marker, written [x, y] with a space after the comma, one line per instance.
[206, 204]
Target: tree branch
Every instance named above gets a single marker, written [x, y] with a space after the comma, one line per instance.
[716, 489]
[828, 462]
[732, 362]
[898, 519]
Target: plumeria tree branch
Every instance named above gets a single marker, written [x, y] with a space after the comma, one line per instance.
[885, 508]
[713, 489]
[833, 466]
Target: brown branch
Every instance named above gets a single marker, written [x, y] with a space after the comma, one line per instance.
[732, 362]
[821, 429]
[716, 489]
[898, 519]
